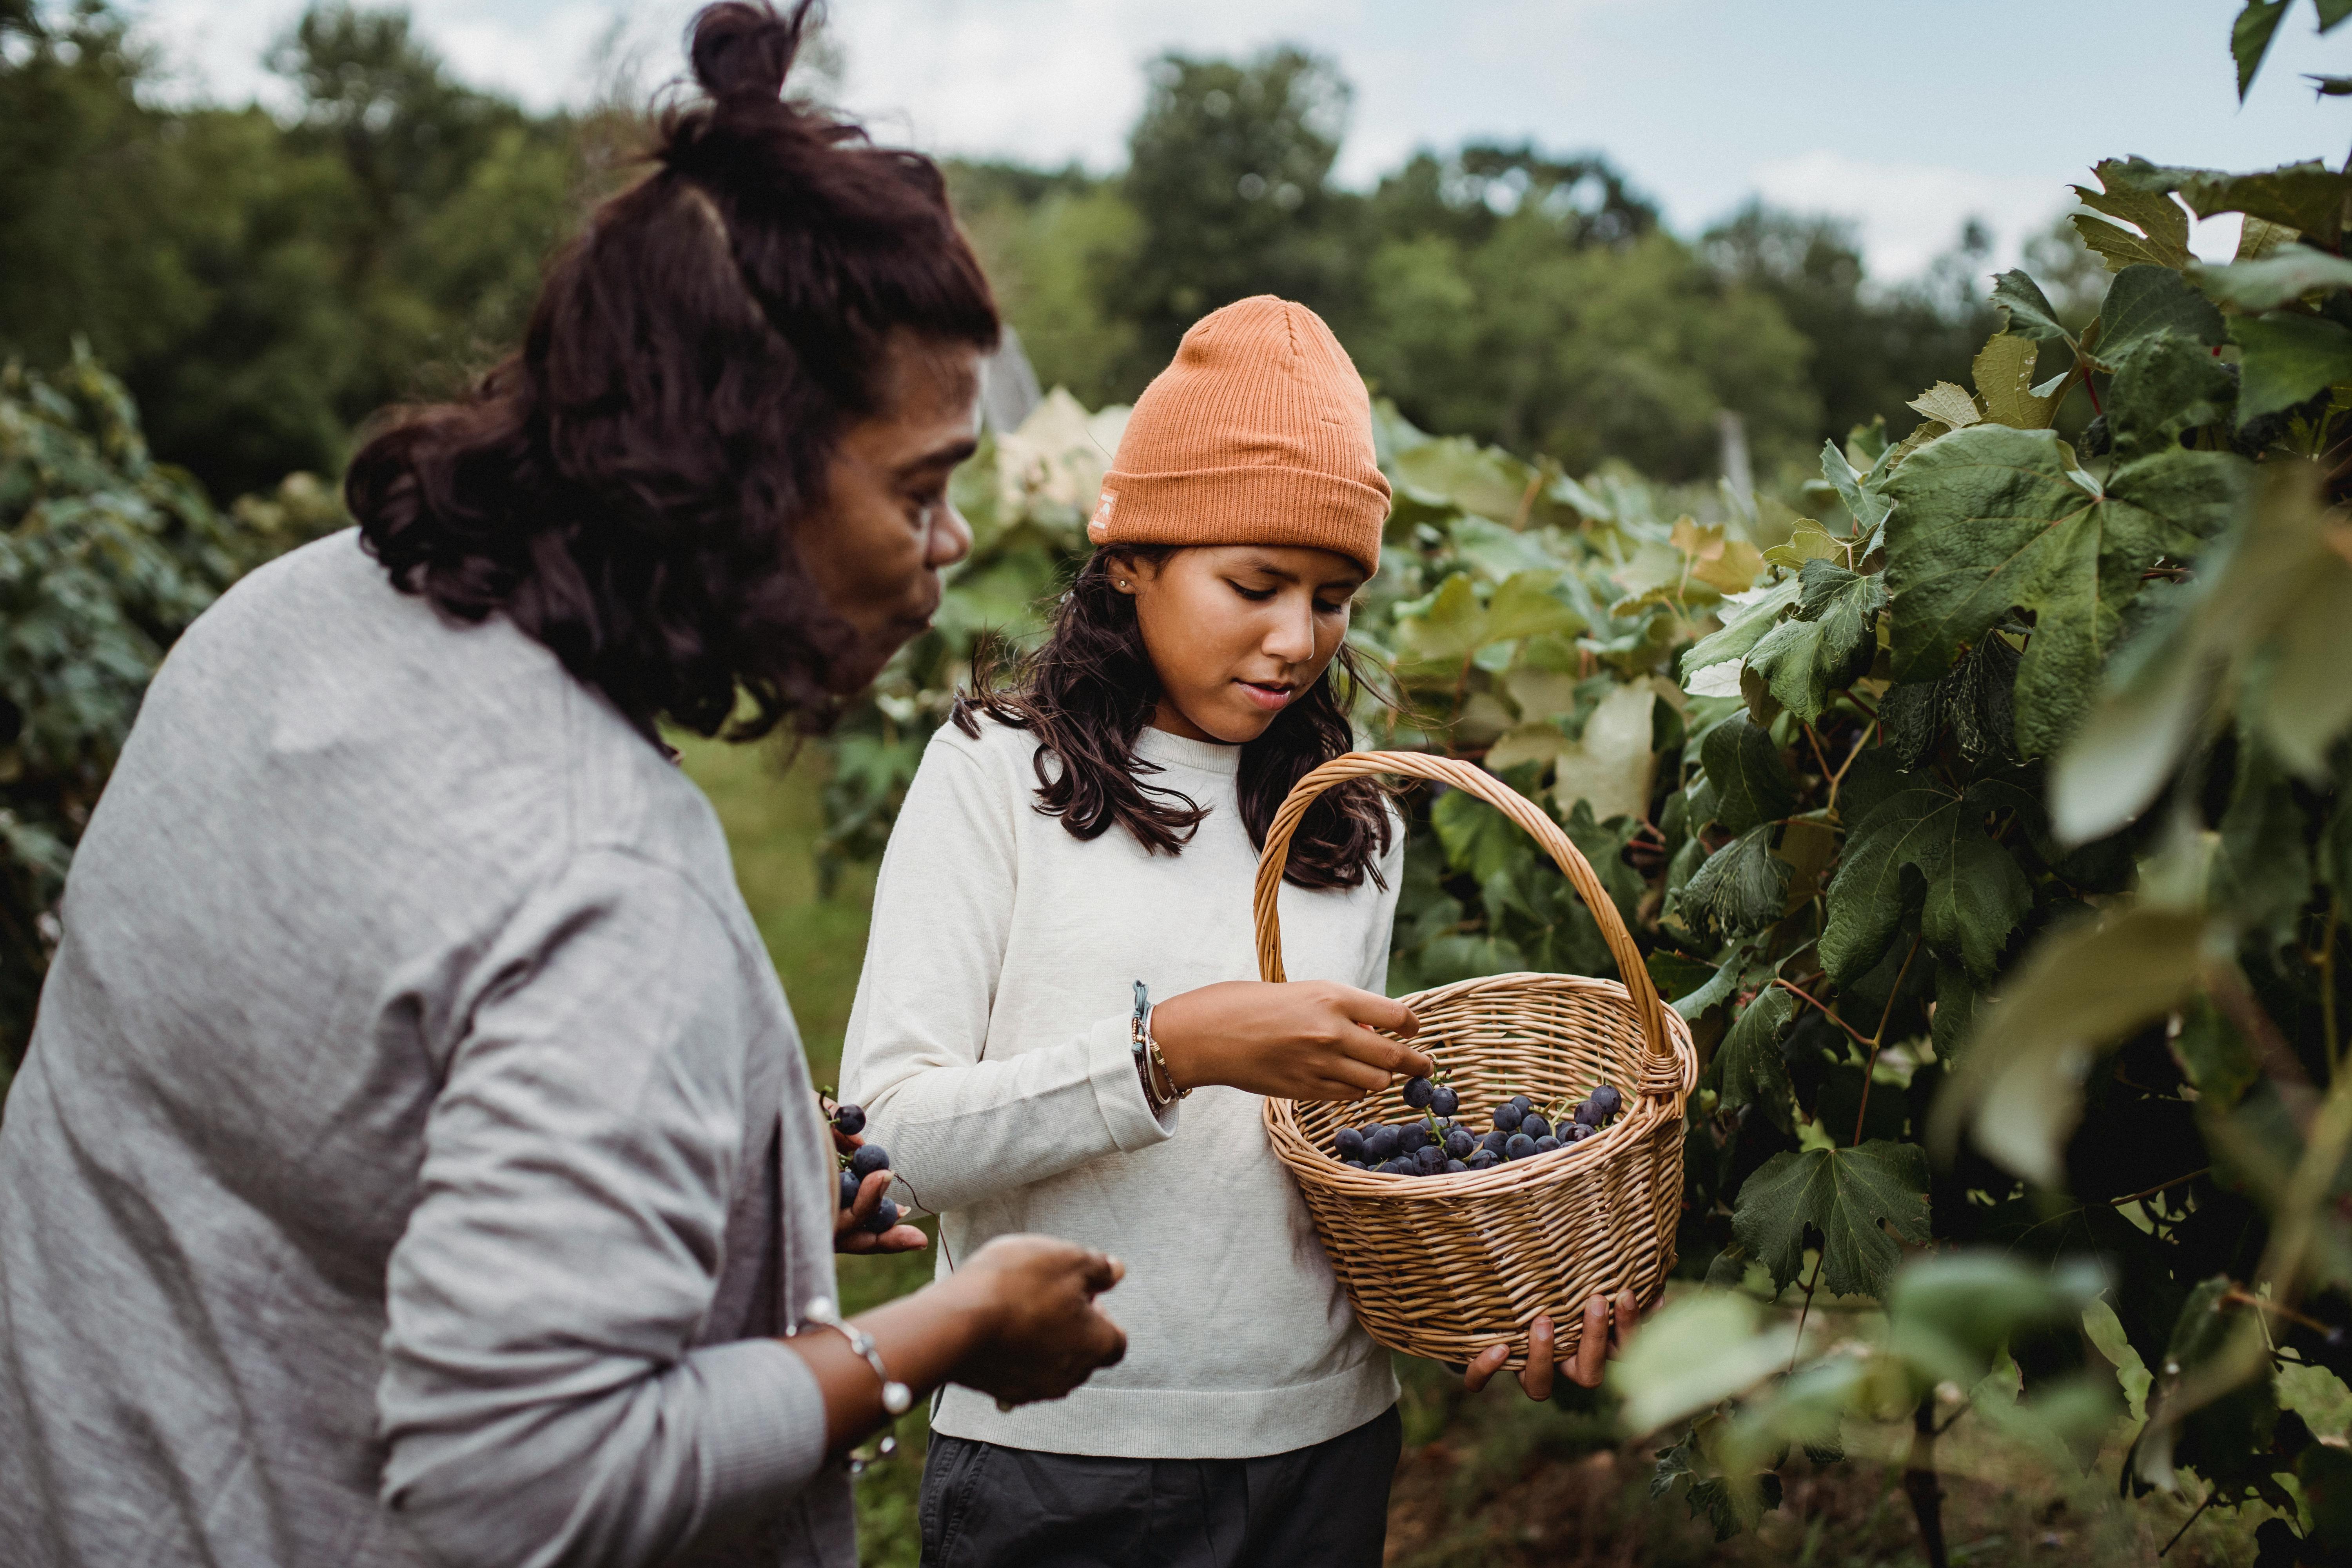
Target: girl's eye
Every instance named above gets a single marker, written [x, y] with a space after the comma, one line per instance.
[1332, 609]
[1255, 596]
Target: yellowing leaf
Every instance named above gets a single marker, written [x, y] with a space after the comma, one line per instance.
[1809, 541]
[2004, 377]
[1947, 404]
[1724, 562]
[1612, 766]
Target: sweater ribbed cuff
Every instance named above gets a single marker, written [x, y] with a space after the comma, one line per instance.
[1119, 1089]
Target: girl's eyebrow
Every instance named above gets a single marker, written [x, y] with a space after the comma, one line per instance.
[1269, 568]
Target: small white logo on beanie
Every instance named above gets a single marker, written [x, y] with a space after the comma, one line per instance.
[1098, 525]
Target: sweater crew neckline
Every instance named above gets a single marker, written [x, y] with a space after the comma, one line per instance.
[1175, 751]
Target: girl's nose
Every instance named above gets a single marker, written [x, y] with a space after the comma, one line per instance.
[1292, 638]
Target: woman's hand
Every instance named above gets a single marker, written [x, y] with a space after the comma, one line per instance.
[1042, 1334]
[1301, 1040]
[1606, 1332]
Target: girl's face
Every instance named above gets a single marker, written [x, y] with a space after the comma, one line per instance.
[1237, 631]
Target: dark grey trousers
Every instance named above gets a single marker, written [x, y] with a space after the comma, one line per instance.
[1326, 1507]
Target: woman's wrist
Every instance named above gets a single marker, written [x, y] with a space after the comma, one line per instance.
[1179, 1049]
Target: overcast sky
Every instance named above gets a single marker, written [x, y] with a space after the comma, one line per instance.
[1905, 115]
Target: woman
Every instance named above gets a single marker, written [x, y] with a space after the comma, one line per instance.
[415, 1161]
[1090, 832]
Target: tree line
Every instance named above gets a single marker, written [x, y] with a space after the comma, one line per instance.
[264, 282]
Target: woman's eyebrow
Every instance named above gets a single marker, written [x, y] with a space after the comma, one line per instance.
[943, 457]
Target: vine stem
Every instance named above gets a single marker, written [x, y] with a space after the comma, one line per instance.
[1922, 1486]
[2326, 967]
[1805, 1311]
[1859, 1037]
[1879, 1038]
[2151, 1191]
[2211, 1492]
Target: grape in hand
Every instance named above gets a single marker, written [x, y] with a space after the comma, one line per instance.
[849, 1119]
[885, 1215]
[1419, 1093]
[1444, 1101]
[869, 1158]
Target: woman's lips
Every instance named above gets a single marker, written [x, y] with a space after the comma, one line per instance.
[1268, 697]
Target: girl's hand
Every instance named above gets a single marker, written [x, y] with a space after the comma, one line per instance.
[1043, 1335]
[1301, 1040]
[849, 1232]
[1606, 1332]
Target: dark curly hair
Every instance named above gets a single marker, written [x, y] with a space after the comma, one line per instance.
[1087, 692]
[628, 488]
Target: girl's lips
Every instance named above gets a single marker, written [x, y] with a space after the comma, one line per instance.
[1268, 697]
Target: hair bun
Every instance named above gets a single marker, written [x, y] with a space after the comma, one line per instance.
[741, 50]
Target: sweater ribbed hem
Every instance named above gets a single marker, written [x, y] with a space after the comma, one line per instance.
[761, 1428]
[1176, 1423]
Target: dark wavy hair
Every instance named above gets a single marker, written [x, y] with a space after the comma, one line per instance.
[629, 486]
[1090, 691]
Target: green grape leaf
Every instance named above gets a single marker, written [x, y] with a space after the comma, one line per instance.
[1974, 893]
[1827, 645]
[2215, 1056]
[2308, 197]
[1864, 494]
[1742, 887]
[1807, 541]
[1992, 518]
[1751, 784]
[1476, 837]
[1956, 1009]
[2167, 385]
[1755, 613]
[1689, 987]
[2162, 238]
[1523, 605]
[1750, 1067]
[2285, 359]
[2250, 39]
[2288, 272]
[2026, 309]
[1851, 1196]
[1442, 628]
[2145, 301]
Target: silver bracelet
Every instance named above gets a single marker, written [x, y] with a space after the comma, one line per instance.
[896, 1397]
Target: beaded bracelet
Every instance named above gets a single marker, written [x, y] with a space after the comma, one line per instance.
[895, 1395]
[1159, 1088]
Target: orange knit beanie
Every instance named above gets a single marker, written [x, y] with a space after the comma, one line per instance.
[1260, 433]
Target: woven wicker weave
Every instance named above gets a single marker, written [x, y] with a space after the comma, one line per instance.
[1445, 1266]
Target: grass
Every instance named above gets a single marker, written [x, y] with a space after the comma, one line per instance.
[1489, 1480]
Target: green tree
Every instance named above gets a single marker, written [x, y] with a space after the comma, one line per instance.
[1230, 171]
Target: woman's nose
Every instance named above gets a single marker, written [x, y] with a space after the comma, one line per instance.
[951, 539]
[1292, 638]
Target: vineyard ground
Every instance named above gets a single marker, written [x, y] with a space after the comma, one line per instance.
[1488, 1480]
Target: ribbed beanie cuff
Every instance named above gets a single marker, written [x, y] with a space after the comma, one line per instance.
[1260, 433]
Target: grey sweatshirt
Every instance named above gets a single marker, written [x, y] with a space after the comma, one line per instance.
[414, 1152]
[990, 1046]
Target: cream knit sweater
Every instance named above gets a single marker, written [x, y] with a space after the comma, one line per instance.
[989, 1045]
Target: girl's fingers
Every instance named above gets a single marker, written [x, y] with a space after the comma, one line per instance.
[1358, 1077]
[1489, 1361]
[1592, 1351]
[1390, 1057]
[1536, 1376]
[1628, 1318]
[1383, 1013]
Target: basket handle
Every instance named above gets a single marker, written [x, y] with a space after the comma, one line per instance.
[1477, 781]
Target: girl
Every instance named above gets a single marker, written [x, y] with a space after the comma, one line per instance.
[1090, 835]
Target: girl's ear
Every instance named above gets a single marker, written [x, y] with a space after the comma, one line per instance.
[1127, 572]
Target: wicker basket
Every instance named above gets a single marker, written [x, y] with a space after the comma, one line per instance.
[1445, 1266]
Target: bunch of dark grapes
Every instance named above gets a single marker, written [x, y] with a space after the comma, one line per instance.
[1437, 1145]
[867, 1159]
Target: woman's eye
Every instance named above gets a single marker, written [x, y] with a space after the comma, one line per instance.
[1255, 596]
[1327, 607]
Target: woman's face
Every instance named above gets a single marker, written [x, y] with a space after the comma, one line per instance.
[1237, 631]
[876, 545]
